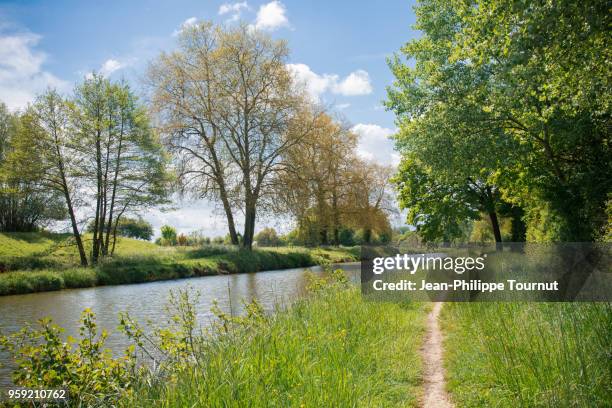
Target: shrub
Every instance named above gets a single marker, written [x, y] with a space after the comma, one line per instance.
[267, 237]
[84, 367]
[25, 282]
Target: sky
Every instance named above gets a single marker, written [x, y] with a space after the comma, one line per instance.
[338, 51]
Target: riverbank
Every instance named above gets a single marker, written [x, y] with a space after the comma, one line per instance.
[39, 262]
[328, 348]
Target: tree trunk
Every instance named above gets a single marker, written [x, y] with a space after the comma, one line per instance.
[495, 226]
[230, 218]
[75, 228]
[249, 225]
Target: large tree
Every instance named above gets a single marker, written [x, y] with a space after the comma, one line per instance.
[521, 82]
[225, 101]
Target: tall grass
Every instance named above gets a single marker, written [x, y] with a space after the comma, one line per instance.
[529, 354]
[328, 350]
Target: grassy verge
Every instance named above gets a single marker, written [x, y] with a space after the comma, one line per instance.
[136, 262]
[330, 349]
[529, 354]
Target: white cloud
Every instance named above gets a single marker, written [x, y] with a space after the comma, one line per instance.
[110, 66]
[343, 105]
[191, 21]
[271, 16]
[21, 70]
[356, 83]
[234, 9]
[374, 143]
[313, 83]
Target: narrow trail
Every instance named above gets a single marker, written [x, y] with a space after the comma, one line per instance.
[435, 395]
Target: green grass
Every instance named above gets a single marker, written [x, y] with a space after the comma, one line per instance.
[529, 354]
[331, 349]
[33, 262]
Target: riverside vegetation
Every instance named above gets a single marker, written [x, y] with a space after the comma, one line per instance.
[330, 348]
[36, 262]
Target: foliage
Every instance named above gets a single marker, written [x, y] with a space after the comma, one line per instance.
[128, 227]
[168, 235]
[267, 237]
[488, 106]
[24, 205]
[327, 187]
[82, 366]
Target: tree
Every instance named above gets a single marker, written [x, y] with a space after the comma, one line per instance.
[485, 108]
[25, 205]
[44, 152]
[168, 234]
[123, 162]
[131, 228]
[225, 100]
[267, 237]
[315, 181]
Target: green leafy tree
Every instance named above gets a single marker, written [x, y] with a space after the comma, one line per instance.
[25, 204]
[168, 235]
[485, 108]
[267, 237]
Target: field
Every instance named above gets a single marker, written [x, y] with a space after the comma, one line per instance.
[34, 262]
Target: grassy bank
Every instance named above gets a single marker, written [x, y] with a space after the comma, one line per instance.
[529, 354]
[43, 262]
[329, 350]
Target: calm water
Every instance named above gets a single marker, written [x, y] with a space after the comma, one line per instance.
[146, 301]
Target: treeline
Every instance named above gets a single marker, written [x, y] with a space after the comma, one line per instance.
[267, 237]
[504, 112]
[231, 126]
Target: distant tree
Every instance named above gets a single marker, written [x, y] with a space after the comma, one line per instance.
[135, 228]
[347, 237]
[168, 235]
[182, 240]
[267, 237]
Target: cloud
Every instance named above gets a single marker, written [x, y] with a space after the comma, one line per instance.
[271, 16]
[110, 66]
[234, 9]
[356, 83]
[375, 145]
[191, 21]
[343, 105]
[21, 70]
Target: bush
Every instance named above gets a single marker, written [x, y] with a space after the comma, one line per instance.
[267, 237]
[25, 282]
[85, 368]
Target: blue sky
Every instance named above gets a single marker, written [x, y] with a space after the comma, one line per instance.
[338, 49]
